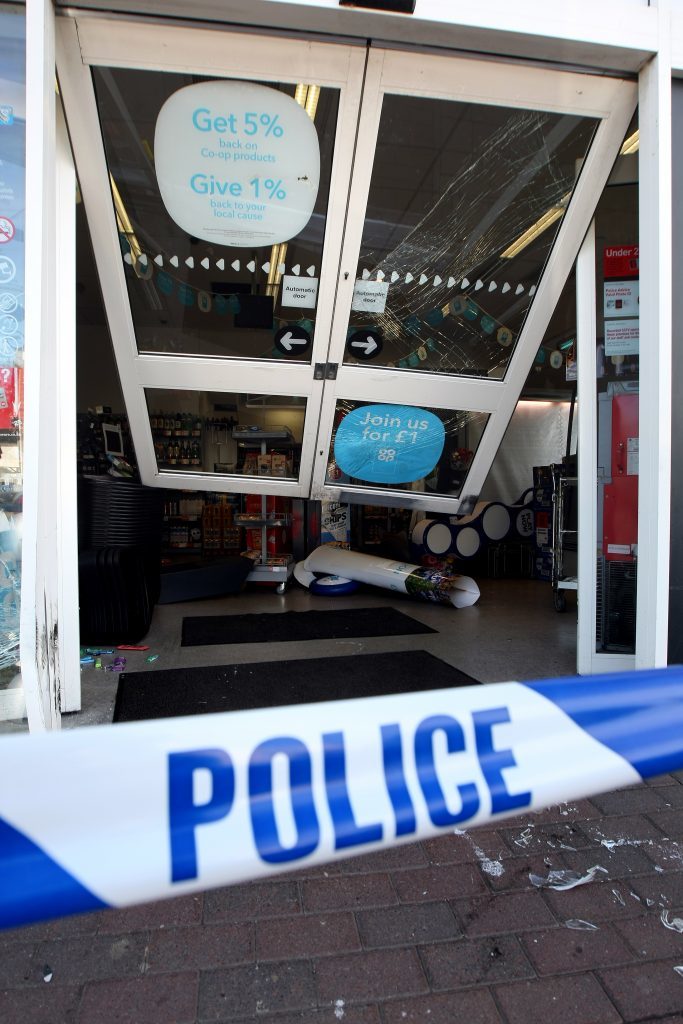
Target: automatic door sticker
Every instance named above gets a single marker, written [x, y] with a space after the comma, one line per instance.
[237, 164]
[370, 296]
[389, 444]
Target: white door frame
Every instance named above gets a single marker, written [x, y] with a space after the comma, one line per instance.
[83, 42]
[656, 277]
[654, 84]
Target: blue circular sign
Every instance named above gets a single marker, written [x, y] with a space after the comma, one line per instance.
[389, 444]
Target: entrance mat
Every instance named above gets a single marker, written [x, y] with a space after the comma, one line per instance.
[276, 627]
[200, 691]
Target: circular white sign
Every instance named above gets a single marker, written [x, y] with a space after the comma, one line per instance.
[237, 164]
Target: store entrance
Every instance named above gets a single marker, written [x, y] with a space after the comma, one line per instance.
[326, 268]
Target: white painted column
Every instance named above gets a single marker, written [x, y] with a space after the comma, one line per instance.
[655, 351]
[587, 443]
[66, 498]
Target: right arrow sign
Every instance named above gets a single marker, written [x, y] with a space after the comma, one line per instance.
[365, 344]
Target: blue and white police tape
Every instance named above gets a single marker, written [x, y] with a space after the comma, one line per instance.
[115, 815]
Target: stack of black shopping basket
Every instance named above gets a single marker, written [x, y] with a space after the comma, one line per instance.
[119, 527]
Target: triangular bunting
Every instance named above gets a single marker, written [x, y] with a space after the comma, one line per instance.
[173, 261]
[296, 269]
[464, 283]
[142, 259]
[311, 271]
[205, 263]
[532, 290]
[409, 277]
[479, 284]
[394, 277]
[436, 282]
[159, 260]
[450, 283]
[365, 275]
[189, 262]
[251, 266]
[265, 267]
[492, 286]
[235, 265]
[519, 289]
[506, 287]
[380, 275]
[423, 279]
[127, 258]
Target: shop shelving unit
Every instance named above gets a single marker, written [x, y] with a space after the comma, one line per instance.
[564, 536]
[278, 569]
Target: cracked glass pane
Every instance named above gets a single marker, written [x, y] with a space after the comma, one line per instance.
[464, 205]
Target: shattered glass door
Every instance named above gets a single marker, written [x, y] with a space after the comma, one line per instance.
[460, 204]
[465, 202]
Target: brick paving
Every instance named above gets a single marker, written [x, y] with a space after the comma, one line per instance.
[440, 932]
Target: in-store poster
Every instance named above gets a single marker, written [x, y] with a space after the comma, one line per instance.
[621, 300]
[237, 164]
[622, 337]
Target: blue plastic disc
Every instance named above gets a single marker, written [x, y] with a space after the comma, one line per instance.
[333, 585]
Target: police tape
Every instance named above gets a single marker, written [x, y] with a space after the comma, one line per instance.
[115, 815]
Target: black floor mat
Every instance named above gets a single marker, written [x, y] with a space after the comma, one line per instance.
[276, 627]
[199, 691]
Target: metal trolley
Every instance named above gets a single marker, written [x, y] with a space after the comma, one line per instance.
[565, 536]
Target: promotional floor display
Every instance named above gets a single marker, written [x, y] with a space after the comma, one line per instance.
[431, 584]
[465, 536]
[179, 805]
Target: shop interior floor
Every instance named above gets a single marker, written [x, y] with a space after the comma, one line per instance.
[513, 632]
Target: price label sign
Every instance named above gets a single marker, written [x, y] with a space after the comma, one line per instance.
[237, 164]
[389, 444]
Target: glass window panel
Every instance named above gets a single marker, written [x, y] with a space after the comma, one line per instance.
[617, 386]
[217, 432]
[464, 205]
[12, 305]
[224, 304]
[423, 450]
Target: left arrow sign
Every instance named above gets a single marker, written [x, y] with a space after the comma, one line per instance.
[290, 339]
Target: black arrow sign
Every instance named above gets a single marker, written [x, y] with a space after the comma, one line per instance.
[292, 340]
[365, 344]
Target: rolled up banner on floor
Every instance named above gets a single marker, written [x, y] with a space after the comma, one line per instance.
[416, 580]
[110, 816]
